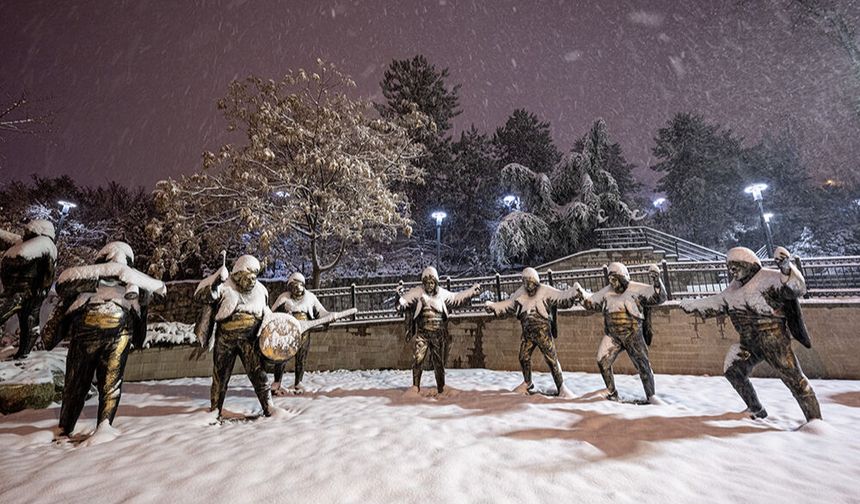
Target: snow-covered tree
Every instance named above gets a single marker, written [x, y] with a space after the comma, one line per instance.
[561, 209]
[23, 115]
[527, 141]
[612, 160]
[317, 165]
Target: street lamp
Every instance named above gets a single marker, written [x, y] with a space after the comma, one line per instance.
[439, 216]
[755, 190]
[512, 202]
[658, 204]
[65, 207]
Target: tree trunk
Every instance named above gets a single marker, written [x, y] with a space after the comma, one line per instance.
[316, 276]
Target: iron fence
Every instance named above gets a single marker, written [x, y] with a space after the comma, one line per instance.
[825, 277]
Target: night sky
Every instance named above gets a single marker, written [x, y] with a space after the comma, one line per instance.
[134, 83]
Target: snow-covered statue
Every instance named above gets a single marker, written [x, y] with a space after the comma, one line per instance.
[535, 305]
[235, 304]
[763, 306]
[27, 271]
[426, 307]
[626, 319]
[102, 309]
[302, 304]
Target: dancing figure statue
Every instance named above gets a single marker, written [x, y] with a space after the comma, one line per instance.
[763, 306]
[626, 319]
[27, 271]
[427, 307]
[535, 305]
[102, 309]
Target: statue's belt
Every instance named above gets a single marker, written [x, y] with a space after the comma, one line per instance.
[239, 321]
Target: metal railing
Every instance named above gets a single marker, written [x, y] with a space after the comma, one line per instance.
[825, 277]
[643, 236]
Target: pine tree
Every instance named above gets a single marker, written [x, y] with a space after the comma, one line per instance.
[527, 141]
[703, 181]
[416, 85]
[612, 159]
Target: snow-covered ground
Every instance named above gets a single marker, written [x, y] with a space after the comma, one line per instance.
[355, 437]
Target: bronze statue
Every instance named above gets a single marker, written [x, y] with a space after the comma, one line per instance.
[236, 304]
[103, 309]
[626, 319]
[534, 305]
[302, 304]
[27, 271]
[427, 308]
[763, 306]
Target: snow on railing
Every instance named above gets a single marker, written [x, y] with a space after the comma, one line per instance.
[825, 277]
[638, 236]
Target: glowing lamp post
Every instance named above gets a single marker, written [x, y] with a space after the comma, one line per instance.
[439, 216]
[755, 190]
[511, 202]
[65, 207]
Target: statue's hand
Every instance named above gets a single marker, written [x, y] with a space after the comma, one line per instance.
[476, 289]
[782, 257]
[223, 274]
[580, 292]
[687, 306]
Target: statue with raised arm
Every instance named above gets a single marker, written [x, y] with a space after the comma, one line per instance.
[763, 306]
[237, 303]
[302, 304]
[534, 305]
[626, 319]
[427, 307]
[103, 309]
[27, 270]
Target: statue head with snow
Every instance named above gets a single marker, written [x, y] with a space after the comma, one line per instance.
[296, 285]
[619, 277]
[743, 264]
[117, 252]
[531, 281]
[430, 280]
[244, 273]
[39, 227]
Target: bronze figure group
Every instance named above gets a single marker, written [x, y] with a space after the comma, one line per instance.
[102, 310]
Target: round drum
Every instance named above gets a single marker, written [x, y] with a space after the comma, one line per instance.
[280, 337]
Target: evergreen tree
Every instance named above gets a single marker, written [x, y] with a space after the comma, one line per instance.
[611, 158]
[416, 85]
[472, 199]
[527, 141]
[703, 181]
[561, 210]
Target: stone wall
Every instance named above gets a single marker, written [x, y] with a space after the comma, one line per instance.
[682, 345]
